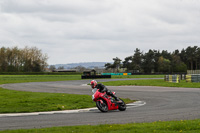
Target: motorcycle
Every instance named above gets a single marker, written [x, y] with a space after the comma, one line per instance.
[105, 102]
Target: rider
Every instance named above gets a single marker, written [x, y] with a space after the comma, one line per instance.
[102, 88]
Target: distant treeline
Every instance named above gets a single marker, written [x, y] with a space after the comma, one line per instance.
[22, 60]
[159, 61]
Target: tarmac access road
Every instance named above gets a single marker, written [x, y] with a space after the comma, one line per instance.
[162, 104]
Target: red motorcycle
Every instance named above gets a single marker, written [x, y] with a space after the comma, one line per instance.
[105, 102]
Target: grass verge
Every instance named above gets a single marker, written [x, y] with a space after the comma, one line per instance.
[190, 126]
[5, 79]
[18, 101]
[152, 82]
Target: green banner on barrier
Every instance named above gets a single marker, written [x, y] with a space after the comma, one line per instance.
[115, 73]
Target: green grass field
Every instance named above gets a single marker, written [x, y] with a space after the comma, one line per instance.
[190, 126]
[17, 101]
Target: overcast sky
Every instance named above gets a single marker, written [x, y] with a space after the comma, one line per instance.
[71, 31]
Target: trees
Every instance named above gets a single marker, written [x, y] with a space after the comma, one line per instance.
[164, 61]
[177, 65]
[191, 57]
[127, 63]
[80, 68]
[61, 67]
[32, 57]
[163, 64]
[22, 60]
[198, 58]
[108, 66]
[148, 64]
[134, 63]
[115, 65]
[3, 59]
[52, 67]
[137, 60]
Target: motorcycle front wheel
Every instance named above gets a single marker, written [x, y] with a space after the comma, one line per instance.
[103, 107]
[122, 106]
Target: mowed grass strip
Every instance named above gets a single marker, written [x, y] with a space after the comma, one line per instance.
[190, 126]
[152, 82]
[5, 79]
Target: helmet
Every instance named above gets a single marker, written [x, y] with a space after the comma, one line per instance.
[93, 83]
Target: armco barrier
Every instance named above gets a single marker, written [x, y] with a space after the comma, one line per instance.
[193, 78]
[172, 78]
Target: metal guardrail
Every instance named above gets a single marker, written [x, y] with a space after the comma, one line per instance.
[172, 78]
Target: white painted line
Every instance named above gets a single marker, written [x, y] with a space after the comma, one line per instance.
[136, 104]
[45, 113]
[84, 85]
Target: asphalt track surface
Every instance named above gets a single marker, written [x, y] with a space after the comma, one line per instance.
[162, 104]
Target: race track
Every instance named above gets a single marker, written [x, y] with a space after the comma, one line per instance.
[162, 104]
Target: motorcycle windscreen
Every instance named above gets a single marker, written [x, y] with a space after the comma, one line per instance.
[94, 90]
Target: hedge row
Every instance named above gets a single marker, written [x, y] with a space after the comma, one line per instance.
[40, 73]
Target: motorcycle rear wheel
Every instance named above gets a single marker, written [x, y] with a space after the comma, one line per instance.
[103, 107]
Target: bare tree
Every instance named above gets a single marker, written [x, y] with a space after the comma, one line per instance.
[26, 60]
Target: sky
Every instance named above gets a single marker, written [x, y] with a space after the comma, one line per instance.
[72, 31]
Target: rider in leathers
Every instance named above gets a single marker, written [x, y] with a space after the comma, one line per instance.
[102, 88]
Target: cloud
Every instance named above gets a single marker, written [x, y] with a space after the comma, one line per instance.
[93, 30]
[51, 6]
